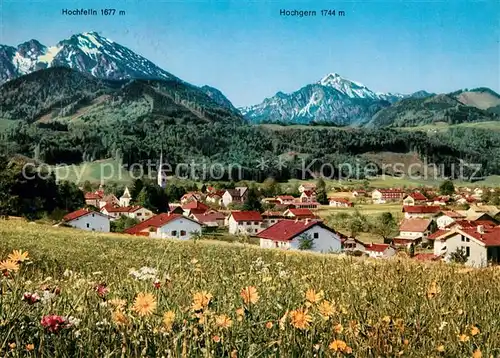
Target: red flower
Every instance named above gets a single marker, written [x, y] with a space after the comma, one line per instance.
[31, 298]
[157, 284]
[54, 323]
[101, 290]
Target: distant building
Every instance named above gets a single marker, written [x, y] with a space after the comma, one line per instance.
[421, 211]
[380, 250]
[134, 212]
[245, 222]
[237, 195]
[414, 198]
[413, 231]
[299, 214]
[340, 203]
[89, 220]
[285, 199]
[287, 235]
[307, 186]
[381, 196]
[448, 218]
[210, 218]
[167, 226]
[125, 198]
[307, 196]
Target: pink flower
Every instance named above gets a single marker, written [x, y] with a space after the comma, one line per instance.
[54, 323]
[31, 298]
[157, 283]
[101, 290]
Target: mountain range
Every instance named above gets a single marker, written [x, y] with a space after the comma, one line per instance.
[107, 80]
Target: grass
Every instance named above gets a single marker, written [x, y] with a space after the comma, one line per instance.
[441, 126]
[378, 308]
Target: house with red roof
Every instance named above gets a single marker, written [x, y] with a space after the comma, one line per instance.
[288, 234]
[194, 206]
[271, 217]
[93, 198]
[480, 244]
[215, 197]
[340, 203]
[192, 195]
[448, 217]
[413, 198]
[210, 218]
[167, 226]
[307, 196]
[421, 211]
[381, 196]
[413, 231]
[134, 212]
[299, 205]
[307, 186]
[285, 199]
[86, 219]
[380, 250]
[245, 222]
[300, 214]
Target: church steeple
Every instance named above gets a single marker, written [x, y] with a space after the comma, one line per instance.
[162, 176]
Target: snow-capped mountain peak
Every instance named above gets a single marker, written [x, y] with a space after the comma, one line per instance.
[350, 88]
[86, 52]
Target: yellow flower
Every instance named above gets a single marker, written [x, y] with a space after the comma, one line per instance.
[118, 303]
[201, 300]
[269, 325]
[249, 295]
[283, 320]
[119, 318]
[18, 256]
[433, 290]
[386, 319]
[474, 331]
[326, 309]
[463, 338]
[223, 321]
[313, 297]
[300, 319]
[240, 313]
[168, 320]
[338, 345]
[144, 304]
[440, 348]
[30, 347]
[477, 354]
[338, 328]
[9, 266]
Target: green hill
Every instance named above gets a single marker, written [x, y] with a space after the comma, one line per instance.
[63, 94]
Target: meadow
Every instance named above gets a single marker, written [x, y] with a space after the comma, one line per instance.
[81, 294]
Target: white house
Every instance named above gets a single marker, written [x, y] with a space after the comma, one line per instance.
[89, 220]
[271, 217]
[167, 226]
[285, 199]
[448, 218]
[307, 196]
[413, 231]
[307, 186]
[288, 234]
[381, 196]
[339, 203]
[413, 198]
[245, 222]
[379, 250]
[421, 211]
[134, 212]
[210, 218]
[237, 195]
[480, 245]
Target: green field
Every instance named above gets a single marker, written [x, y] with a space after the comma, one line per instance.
[233, 300]
[491, 125]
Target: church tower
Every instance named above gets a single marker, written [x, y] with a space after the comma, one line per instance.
[162, 176]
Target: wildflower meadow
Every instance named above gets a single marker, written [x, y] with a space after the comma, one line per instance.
[66, 293]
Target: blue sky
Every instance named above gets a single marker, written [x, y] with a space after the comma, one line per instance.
[249, 51]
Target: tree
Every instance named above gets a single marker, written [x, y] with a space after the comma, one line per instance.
[447, 188]
[385, 226]
[270, 187]
[306, 242]
[123, 223]
[252, 201]
[321, 195]
[203, 188]
[459, 256]
[136, 189]
[411, 250]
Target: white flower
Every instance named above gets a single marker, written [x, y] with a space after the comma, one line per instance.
[47, 297]
[67, 273]
[73, 321]
[443, 324]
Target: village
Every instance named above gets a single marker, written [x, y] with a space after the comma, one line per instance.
[457, 227]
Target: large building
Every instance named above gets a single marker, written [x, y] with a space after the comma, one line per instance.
[86, 219]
